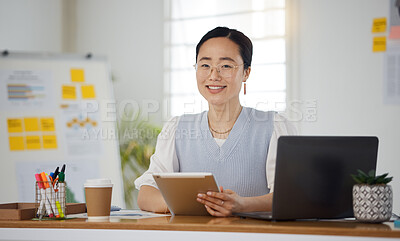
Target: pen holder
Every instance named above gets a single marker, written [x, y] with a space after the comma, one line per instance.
[50, 199]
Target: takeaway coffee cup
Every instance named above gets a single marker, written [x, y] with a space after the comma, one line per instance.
[98, 194]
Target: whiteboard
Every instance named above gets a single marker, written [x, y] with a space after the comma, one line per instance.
[56, 109]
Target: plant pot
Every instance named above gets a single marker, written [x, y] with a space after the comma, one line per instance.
[372, 203]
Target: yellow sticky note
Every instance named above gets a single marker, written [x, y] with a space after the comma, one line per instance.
[16, 143]
[77, 75]
[33, 142]
[69, 92]
[88, 92]
[14, 125]
[31, 124]
[379, 25]
[379, 44]
[50, 142]
[47, 124]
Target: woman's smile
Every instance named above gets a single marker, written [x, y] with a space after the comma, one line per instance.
[215, 89]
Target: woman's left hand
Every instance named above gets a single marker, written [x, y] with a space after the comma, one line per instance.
[221, 204]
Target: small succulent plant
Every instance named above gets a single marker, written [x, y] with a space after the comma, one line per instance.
[370, 178]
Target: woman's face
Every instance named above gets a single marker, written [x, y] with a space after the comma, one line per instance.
[217, 89]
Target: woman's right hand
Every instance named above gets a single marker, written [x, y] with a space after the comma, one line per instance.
[221, 204]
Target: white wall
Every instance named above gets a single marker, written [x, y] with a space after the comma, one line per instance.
[130, 33]
[27, 25]
[336, 66]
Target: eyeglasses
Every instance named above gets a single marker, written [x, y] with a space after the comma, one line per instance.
[224, 70]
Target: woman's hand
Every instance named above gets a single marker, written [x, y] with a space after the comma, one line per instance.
[221, 204]
[150, 199]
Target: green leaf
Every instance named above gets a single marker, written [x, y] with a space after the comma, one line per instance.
[370, 180]
[382, 176]
[387, 180]
[371, 173]
[137, 138]
[356, 179]
[362, 174]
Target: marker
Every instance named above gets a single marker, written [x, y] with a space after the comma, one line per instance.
[45, 185]
[56, 172]
[59, 209]
[63, 168]
[49, 194]
[61, 179]
[53, 195]
[53, 198]
[42, 196]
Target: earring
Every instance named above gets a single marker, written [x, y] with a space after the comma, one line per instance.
[244, 88]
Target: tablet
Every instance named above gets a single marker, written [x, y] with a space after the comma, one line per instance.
[180, 190]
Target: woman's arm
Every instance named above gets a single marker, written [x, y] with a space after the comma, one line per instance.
[150, 199]
[260, 203]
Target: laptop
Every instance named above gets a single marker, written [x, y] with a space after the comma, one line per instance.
[313, 176]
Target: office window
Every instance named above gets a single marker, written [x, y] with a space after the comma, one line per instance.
[263, 21]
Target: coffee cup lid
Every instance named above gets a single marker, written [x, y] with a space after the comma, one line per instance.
[101, 182]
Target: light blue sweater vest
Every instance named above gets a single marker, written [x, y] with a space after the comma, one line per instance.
[240, 163]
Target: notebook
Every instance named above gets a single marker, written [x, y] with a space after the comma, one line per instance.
[313, 176]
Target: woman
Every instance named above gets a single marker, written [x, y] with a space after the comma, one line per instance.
[235, 143]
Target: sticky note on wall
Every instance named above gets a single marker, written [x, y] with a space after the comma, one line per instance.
[77, 75]
[14, 125]
[379, 25]
[49, 142]
[394, 32]
[31, 124]
[69, 92]
[33, 142]
[47, 124]
[379, 44]
[88, 92]
[16, 143]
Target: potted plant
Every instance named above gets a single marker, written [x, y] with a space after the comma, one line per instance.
[372, 197]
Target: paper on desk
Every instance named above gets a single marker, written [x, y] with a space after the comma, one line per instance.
[124, 214]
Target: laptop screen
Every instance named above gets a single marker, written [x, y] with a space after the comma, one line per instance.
[313, 175]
